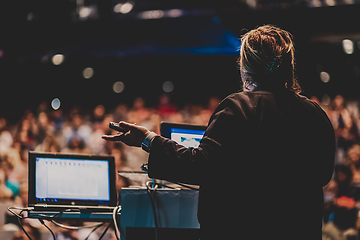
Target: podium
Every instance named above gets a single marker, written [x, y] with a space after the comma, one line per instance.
[176, 214]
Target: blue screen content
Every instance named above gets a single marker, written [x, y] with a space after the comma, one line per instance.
[187, 137]
[74, 179]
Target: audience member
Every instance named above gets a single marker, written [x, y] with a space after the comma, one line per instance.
[345, 129]
[5, 192]
[165, 107]
[353, 159]
[343, 177]
[343, 226]
[6, 139]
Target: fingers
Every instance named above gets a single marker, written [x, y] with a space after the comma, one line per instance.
[122, 126]
[116, 137]
[127, 126]
[133, 128]
[128, 133]
[126, 138]
[118, 127]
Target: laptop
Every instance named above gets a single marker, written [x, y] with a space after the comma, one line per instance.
[68, 181]
[184, 134]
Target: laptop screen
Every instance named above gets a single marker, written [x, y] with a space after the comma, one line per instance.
[59, 179]
[184, 134]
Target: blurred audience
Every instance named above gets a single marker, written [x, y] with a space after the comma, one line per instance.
[76, 131]
[342, 193]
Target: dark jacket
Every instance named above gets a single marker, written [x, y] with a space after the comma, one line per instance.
[261, 166]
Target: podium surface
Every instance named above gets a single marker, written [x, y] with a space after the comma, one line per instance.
[176, 214]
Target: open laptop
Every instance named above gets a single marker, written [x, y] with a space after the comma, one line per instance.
[67, 181]
[184, 134]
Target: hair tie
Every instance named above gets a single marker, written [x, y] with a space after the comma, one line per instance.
[275, 64]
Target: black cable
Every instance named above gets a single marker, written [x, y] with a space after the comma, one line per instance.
[43, 223]
[42, 217]
[153, 207]
[19, 218]
[14, 213]
[93, 230]
[22, 228]
[46, 217]
[103, 234]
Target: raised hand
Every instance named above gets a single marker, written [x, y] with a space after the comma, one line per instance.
[130, 134]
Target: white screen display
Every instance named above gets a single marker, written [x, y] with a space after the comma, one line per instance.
[187, 137]
[75, 179]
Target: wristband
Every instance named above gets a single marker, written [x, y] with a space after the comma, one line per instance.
[146, 144]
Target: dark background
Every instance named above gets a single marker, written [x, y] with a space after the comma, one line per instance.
[197, 51]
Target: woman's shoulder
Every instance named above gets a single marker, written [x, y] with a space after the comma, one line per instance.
[249, 98]
[244, 102]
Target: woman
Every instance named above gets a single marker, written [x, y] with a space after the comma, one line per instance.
[266, 154]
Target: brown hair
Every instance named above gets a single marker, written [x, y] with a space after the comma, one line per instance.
[267, 59]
